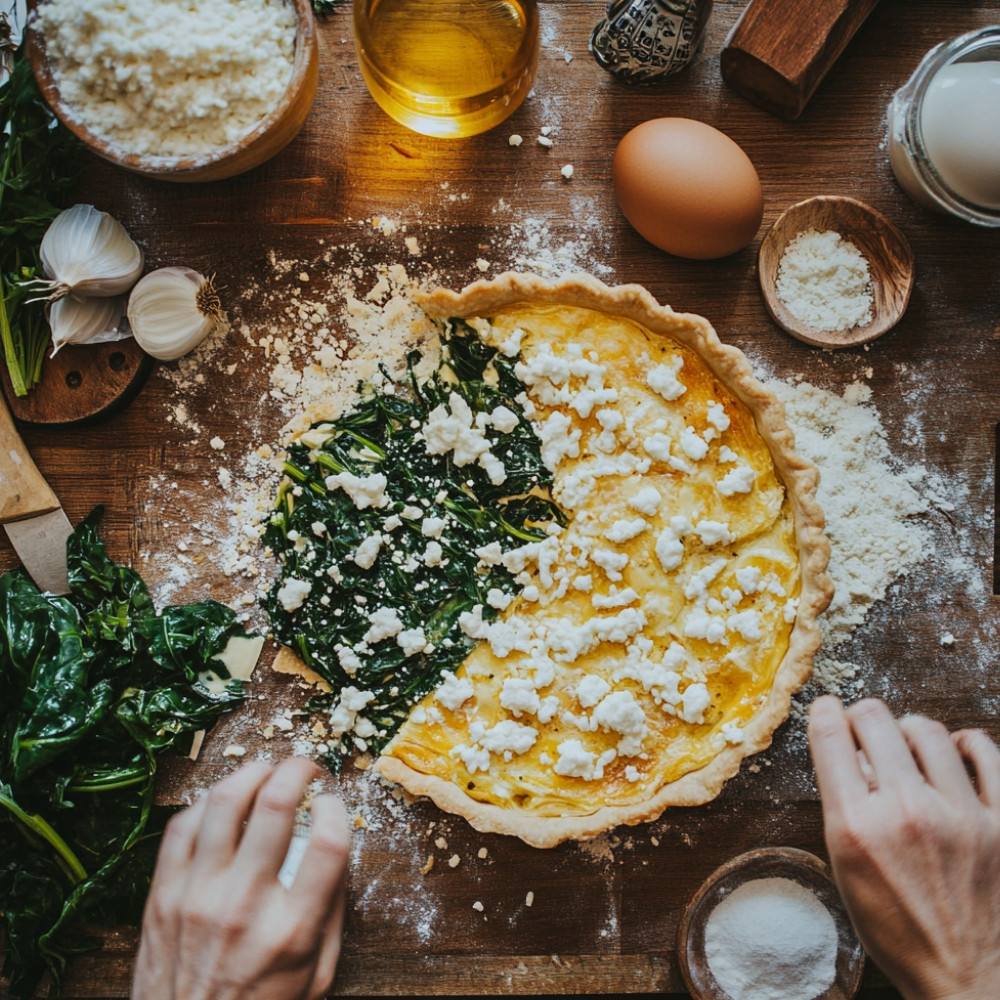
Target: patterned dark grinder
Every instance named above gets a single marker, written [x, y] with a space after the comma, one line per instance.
[641, 40]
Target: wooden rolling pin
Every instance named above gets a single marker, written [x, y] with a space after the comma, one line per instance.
[780, 50]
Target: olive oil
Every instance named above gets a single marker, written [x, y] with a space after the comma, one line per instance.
[447, 67]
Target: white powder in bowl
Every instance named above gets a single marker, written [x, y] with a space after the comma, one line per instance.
[772, 939]
[169, 77]
[824, 282]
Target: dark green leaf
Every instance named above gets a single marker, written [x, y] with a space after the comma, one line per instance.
[95, 686]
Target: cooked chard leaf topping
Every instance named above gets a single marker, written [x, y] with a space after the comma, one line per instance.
[377, 527]
[96, 685]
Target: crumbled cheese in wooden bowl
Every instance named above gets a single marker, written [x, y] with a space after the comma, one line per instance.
[171, 78]
[824, 281]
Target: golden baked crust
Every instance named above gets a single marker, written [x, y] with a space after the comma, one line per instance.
[677, 658]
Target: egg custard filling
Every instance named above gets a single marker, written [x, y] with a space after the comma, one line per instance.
[635, 649]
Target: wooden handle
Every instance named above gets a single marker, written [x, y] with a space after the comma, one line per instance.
[779, 51]
[23, 491]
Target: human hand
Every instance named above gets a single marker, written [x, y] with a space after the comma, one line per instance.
[914, 844]
[218, 924]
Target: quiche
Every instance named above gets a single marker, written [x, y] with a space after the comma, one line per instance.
[657, 638]
[571, 592]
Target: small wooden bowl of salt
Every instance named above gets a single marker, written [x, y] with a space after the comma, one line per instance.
[769, 923]
[834, 272]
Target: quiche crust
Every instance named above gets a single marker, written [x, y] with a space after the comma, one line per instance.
[779, 526]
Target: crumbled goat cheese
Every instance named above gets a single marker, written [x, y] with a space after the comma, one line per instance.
[663, 379]
[344, 715]
[364, 491]
[453, 692]
[738, 480]
[384, 623]
[647, 501]
[453, 428]
[411, 641]
[624, 529]
[694, 446]
[824, 282]
[293, 592]
[367, 552]
[168, 77]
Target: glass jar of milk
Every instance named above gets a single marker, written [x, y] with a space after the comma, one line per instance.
[944, 129]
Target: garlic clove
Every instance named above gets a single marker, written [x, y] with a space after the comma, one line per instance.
[78, 320]
[172, 310]
[89, 252]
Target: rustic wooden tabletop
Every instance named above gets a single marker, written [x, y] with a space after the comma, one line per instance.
[354, 194]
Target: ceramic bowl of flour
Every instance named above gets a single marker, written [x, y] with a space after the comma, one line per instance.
[184, 102]
[834, 272]
[769, 923]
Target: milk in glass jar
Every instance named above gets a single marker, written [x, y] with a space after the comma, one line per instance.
[944, 129]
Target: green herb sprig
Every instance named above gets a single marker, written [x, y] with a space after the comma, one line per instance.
[96, 686]
[39, 163]
[381, 435]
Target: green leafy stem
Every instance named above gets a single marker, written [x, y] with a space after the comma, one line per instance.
[37, 825]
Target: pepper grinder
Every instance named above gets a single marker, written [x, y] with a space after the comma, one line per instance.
[640, 41]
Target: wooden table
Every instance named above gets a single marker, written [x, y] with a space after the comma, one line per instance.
[604, 914]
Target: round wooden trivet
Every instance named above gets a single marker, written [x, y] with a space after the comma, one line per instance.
[81, 383]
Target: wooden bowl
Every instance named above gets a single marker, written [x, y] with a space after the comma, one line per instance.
[890, 263]
[766, 862]
[269, 136]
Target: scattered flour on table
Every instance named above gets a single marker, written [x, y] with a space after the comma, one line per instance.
[869, 502]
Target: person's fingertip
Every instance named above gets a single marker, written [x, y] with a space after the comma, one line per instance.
[826, 706]
[916, 725]
[873, 708]
[330, 815]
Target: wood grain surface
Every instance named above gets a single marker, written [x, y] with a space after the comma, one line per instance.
[603, 915]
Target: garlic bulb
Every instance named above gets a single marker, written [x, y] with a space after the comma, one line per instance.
[88, 252]
[172, 310]
[77, 320]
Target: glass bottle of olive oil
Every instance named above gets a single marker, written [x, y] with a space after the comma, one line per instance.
[447, 67]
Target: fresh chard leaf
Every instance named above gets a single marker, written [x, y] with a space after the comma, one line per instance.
[316, 533]
[95, 687]
[187, 639]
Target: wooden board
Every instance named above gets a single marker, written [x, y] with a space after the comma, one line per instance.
[81, 384]
[603, 915]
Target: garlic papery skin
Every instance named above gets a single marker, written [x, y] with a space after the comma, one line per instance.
[88, 252]
[172, 310]
[77, 320]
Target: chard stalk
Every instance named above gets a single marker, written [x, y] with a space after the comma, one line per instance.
[14, 365]
[39, 826]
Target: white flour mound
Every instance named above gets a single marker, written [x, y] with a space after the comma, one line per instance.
[869, 504]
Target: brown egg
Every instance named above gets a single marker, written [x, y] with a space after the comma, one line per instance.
[687, 188]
